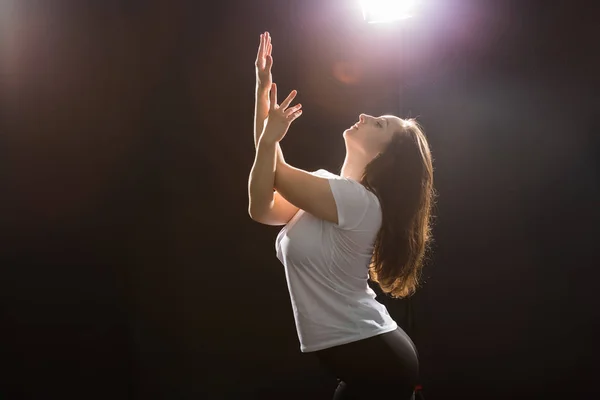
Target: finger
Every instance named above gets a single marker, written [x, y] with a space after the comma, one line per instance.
[261, 47]
[295, 115]
[288, 99]
[267, 38]
[292, 110]
[268, 46]
[269, 63]
[273, 96]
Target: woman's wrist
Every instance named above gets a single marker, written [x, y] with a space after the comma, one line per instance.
[266, 142]
[262, 90]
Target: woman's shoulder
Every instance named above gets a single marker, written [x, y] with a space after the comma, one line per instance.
[354, 186]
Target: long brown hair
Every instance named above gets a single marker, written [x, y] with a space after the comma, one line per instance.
[401, 176]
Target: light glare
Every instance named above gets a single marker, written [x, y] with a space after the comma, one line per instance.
[379, 11]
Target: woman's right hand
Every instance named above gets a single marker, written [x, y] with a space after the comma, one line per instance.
[264, 62]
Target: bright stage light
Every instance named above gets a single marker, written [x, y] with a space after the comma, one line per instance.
[380, 11]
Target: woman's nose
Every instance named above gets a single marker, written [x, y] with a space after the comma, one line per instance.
[363, 118]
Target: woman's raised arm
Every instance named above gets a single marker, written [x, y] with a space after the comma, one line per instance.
[278, 211]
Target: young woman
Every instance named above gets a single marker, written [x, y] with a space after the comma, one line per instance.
[371, 221]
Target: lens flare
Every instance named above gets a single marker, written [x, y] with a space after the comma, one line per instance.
[381, 11]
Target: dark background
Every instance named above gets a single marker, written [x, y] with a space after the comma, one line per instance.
[130, 269]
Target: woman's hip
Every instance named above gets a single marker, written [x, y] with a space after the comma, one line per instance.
[386, 357]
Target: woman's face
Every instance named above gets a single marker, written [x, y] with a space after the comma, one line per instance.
[371, 134]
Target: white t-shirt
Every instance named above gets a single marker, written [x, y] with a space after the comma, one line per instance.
[326, 267]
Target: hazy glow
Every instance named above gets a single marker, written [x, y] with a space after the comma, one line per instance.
[379, 11]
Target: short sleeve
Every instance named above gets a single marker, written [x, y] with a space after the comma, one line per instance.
[352, 199]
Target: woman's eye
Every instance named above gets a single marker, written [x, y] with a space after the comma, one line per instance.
[379, 124]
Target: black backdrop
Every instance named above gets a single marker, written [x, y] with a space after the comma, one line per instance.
[129, 265]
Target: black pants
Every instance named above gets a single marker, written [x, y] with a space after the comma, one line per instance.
[382, 365]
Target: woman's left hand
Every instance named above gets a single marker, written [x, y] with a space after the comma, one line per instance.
[280, 116]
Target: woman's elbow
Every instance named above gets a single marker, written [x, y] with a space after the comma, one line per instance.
[256, 213]
[252, 212]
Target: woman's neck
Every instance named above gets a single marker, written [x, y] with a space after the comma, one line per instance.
[354, 166]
